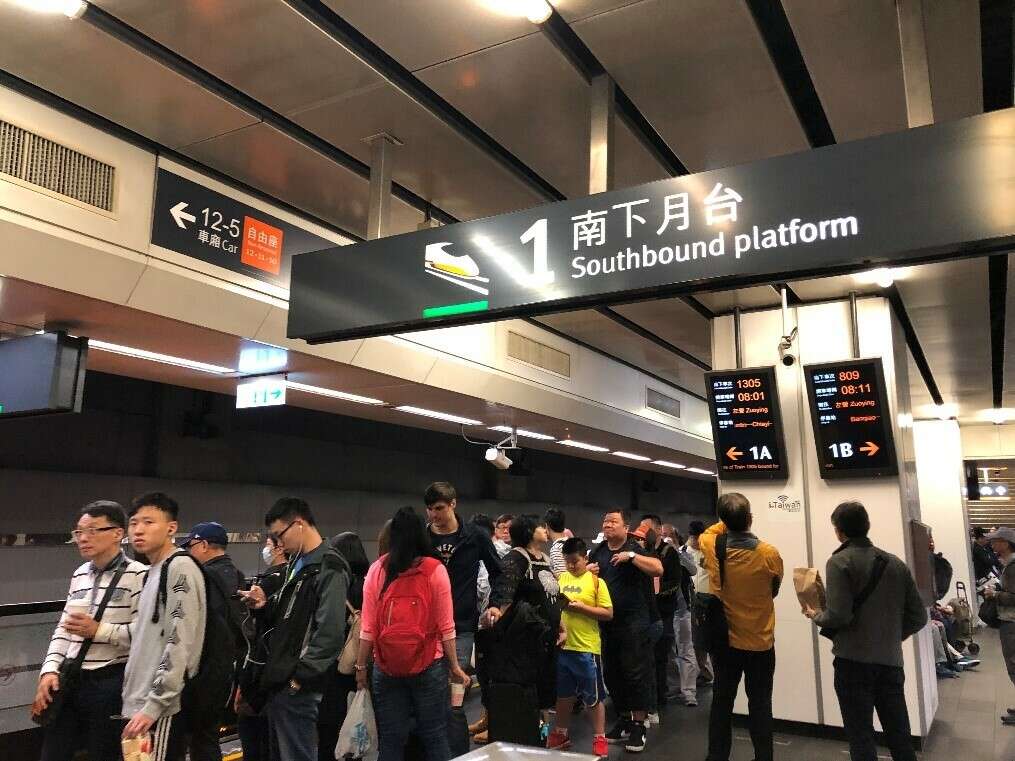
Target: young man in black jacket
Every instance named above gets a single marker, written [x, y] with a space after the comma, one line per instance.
[461, 547]
[867, 640]
[306, 621]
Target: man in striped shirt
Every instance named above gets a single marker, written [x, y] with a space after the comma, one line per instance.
[85, 720]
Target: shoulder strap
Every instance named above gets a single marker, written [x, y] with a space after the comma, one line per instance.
[880, 564]
[720, 555]
[521, 551]
[83, 651]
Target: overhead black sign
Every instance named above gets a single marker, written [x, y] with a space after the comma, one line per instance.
[199, 222]
[852, 425]
[921, 193]
[746, 424]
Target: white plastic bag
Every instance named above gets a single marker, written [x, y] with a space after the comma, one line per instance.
[358, 735]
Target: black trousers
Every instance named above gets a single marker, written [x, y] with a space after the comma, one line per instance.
[863, 688]
[757, 669]
[628, 666]
[663, 649]
[84, 721]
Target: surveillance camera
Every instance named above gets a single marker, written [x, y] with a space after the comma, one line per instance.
[497, 458]
[788, 359]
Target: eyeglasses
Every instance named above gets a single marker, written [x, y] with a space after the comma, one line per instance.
[278, 537]
[78, 533]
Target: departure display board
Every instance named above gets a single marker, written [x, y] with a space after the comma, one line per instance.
[849, 411]
[746, 425]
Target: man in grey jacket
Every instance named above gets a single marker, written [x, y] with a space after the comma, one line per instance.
[873, 605]
[1002, 542]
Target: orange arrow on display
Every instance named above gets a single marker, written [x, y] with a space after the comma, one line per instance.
[870, 448]
[733, 453]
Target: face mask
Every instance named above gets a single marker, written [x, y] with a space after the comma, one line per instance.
[266, 555]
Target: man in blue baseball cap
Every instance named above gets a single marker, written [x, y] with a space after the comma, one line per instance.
[207, 543]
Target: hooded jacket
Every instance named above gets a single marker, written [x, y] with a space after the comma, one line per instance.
[305, 622]
[474, 547]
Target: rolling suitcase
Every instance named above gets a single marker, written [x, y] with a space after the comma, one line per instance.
[514, 714]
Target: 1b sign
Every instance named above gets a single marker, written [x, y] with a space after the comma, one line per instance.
[268, 391]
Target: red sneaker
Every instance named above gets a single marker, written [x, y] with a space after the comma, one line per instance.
[558, 741]
[600, 747]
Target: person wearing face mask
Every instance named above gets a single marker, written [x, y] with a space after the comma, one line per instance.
[251, 725]
[305, 625]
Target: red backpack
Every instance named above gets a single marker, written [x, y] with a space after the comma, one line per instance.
[406, 637]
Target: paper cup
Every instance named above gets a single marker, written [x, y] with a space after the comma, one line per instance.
[457, 694]
[76, 606]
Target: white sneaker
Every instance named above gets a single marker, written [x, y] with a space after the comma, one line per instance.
[652, 718]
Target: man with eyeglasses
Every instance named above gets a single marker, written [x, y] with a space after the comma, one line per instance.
[85, 719]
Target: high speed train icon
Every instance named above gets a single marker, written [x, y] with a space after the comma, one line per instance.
[461, 270]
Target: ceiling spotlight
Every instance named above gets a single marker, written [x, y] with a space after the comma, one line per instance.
[882, 277]
[536, 11]
[496, 457]
[69, 8]
[997, 415]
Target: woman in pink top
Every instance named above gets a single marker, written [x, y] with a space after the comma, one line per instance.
[409, 625]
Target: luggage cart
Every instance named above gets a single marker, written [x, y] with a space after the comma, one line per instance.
[962, 593]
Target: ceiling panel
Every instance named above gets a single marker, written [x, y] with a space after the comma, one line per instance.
[88, 67]
[700, 73]
[434, 162]
[947, 304]
[268, 160]
[745, 298]
[261, 47]
[826, 288]
[953, 55]
[592, 328]
[673, 321]
[851, 48]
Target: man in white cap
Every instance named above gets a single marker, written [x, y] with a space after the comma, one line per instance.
[1002, 542]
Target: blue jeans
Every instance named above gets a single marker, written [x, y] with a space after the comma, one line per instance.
[292, 725]
[463, 648]
[425, 697]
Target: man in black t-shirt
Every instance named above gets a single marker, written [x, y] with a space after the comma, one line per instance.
[627, 650]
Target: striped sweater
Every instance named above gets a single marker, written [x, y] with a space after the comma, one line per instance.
[112, 641]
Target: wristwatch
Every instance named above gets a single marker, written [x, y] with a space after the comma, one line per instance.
[630, 555]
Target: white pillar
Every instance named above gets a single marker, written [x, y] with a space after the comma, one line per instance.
[938, 446]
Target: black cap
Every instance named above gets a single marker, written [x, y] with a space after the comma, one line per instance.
[694, 528]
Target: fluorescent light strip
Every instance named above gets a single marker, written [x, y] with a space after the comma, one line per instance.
[438, 415]
[346, 397]
[668, 464]
[630, 456]
[701, 471]
[165, 359]
[582, 445]
[522, 432]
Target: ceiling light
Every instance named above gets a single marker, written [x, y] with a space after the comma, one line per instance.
[987, 491]
[701, 471]
[629, 456]
[438, 415]
[152, 356]
[522, 432]
[536, 11]
[668, 464]
[263, 358]
[346, 397]
[998, 415]
[946, 411]
[69, 8]
[583, 445]
[882, 277]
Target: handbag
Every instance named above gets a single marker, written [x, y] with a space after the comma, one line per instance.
[69, 675]
[347, 658]
[988, 613]
[708, 612]
[880, 564]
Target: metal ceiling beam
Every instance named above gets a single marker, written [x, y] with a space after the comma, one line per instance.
[648, 335]
[358, 45]
[602, 353]
[997, 64]
[777, 34]
[913, 342]
[101, 123]
[698, 307]
[791, 296]
[173, 61]
[584, 61]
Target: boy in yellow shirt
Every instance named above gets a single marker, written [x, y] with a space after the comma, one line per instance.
[579, 671]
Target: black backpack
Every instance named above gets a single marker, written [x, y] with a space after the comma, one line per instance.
[708, 611]
[208, 692]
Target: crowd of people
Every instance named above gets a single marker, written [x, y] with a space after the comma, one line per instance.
[167, 642]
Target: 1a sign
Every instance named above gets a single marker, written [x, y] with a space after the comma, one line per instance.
[842, 207]
[746, 423]
[266, 391]
[202, 223]
[849, 413]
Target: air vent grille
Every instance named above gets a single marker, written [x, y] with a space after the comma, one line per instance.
[538, 354]
[45, 164]
[662, 403]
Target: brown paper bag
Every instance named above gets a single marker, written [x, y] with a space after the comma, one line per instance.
[137, 748]
[810, 590]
